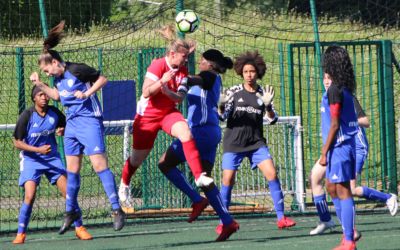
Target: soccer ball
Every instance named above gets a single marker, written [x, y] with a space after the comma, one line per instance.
[187, 21]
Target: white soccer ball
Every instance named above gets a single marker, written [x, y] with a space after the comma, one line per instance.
[187, 21]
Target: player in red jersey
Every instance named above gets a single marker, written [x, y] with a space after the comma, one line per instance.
[164, 86]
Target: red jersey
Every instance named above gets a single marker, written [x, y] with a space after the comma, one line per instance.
[159, 104]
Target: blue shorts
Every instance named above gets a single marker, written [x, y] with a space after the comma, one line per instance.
[207, 139]
[361, 157]
[33, 169]
[84, 135]
[341, 163]
[232, 161]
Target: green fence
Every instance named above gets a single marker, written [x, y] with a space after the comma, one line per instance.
[301, 93]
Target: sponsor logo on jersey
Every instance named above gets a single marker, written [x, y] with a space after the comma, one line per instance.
[43, 133]
[249, 109]
[65, 93]
[353, 124]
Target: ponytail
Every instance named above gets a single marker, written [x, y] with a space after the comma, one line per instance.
[176, 44]
[52, 40]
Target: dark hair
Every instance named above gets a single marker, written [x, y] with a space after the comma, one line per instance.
[52, 40]
[252, 58]
[336, 62]
[34, 91]
[218, 61]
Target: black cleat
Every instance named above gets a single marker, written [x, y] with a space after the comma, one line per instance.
[119, 219]
[69, 218]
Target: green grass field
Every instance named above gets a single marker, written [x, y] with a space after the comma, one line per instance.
[380, 231]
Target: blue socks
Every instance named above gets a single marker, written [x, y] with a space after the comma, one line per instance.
[277, 197]
[348, 216]
[73, 186]
[372, 194]
[108, 181]
[179, 180]
[322, 208]
[226, 193]
[215, 199]
[338, 208]
[78, 222]
[24, 216]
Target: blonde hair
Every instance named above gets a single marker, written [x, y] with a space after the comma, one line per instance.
[176, 44]
[52, 40]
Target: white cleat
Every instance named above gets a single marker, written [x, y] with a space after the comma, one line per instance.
[203, 180]
[392, 204]
[124, 192]
[322, 227]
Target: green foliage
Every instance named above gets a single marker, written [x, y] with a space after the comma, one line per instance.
[22, 18]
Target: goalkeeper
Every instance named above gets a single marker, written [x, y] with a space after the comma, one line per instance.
[246, 106]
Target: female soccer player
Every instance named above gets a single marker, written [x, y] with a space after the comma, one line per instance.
[204, 125]
[244, 111]
[339, 129]
[76, 86]
[165, 85]
[34, 135]
[318, 174]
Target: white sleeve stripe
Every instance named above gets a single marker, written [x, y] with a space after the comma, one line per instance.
[152, 76]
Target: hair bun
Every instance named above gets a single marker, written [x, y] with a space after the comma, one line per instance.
[227, 62]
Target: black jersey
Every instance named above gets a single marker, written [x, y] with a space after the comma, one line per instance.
[244, 112]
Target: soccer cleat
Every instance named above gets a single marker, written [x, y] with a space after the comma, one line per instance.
[69, 218]
[322, 227]
[346, 245]
[119, 219]
[197, 208]
[392, 204]
[218, 229]
[285, 222]
[227, 231]
[124, 192]
[82, 234]
[20, 238]
[203, 180]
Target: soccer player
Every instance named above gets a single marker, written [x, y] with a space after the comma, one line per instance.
[34, 135]
[204, 124]
[244, 111]
[76, 86]
[164, 86]
[339, 128]
[318, 174]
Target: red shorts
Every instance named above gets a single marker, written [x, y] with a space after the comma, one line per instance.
[145, 129]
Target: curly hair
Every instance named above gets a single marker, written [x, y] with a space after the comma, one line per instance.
[252, 58]
[336, 62]
[52, 40]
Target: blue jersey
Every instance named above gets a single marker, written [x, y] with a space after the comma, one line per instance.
[348, 119]
[361, 138]
[78, 77]
[202, 104]
[37, 131]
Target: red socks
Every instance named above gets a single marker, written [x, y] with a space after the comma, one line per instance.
[192, 157]
[127, 172]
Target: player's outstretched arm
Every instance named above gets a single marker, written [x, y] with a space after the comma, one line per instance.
[51, 92]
